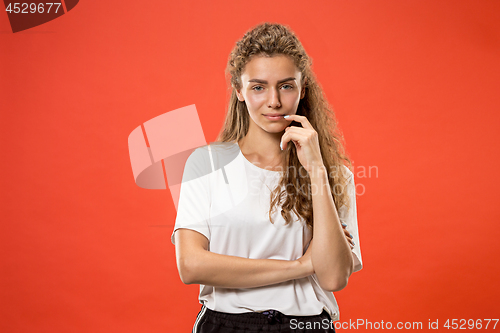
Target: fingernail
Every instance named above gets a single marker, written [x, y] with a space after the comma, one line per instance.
[350, 235]
[281, 147]
[344, 225]
[353, 243]
[286, 116]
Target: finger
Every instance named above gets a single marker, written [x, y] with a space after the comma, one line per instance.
[298, 133]
[290, 136]
[297, 129]
[347, 233]
[301, 119]
[349, 239]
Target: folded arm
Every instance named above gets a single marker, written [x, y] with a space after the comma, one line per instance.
[197, 265]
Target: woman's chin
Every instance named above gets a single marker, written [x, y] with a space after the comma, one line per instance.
[274, 130]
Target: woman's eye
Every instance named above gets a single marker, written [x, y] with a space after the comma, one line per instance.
[257, 88]
[287, 86]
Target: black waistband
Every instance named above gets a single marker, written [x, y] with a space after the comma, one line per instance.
[267, 317]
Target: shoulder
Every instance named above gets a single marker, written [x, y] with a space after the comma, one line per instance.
[208, 158]
[347, 171]
[347, 174]
[209, 150]
[197, 163]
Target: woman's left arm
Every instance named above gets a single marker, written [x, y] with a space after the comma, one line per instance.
[331, 255]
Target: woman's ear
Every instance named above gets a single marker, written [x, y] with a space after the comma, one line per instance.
[239, 95]
[303, 90]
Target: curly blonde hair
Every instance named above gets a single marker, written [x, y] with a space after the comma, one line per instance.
[270, 39]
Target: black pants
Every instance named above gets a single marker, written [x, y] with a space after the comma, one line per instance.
[209, 321]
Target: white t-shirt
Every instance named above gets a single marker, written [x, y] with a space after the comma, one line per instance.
[226, 198]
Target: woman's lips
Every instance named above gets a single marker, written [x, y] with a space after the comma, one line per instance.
[275, 117]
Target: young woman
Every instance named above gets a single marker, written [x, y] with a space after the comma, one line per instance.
[266, 220]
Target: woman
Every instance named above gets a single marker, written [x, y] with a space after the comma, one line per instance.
[245, 224]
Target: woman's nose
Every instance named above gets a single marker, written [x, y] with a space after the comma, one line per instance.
[274, 99]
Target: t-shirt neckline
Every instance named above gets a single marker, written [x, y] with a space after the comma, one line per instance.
[256, 167]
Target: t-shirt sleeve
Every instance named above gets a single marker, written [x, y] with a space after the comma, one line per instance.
[350, 218]
[193, 209]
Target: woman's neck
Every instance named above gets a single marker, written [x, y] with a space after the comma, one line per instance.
[262, 148]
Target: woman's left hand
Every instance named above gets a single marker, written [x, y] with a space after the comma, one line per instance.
[306, 142]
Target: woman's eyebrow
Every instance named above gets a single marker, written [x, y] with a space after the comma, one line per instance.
[265, 82]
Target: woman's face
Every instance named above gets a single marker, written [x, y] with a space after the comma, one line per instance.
[271, 88]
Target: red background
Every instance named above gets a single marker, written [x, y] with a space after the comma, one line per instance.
[415, 86]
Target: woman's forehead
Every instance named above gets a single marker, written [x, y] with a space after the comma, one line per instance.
[274, 68]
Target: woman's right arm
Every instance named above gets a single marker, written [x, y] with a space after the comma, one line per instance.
[197, 265]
